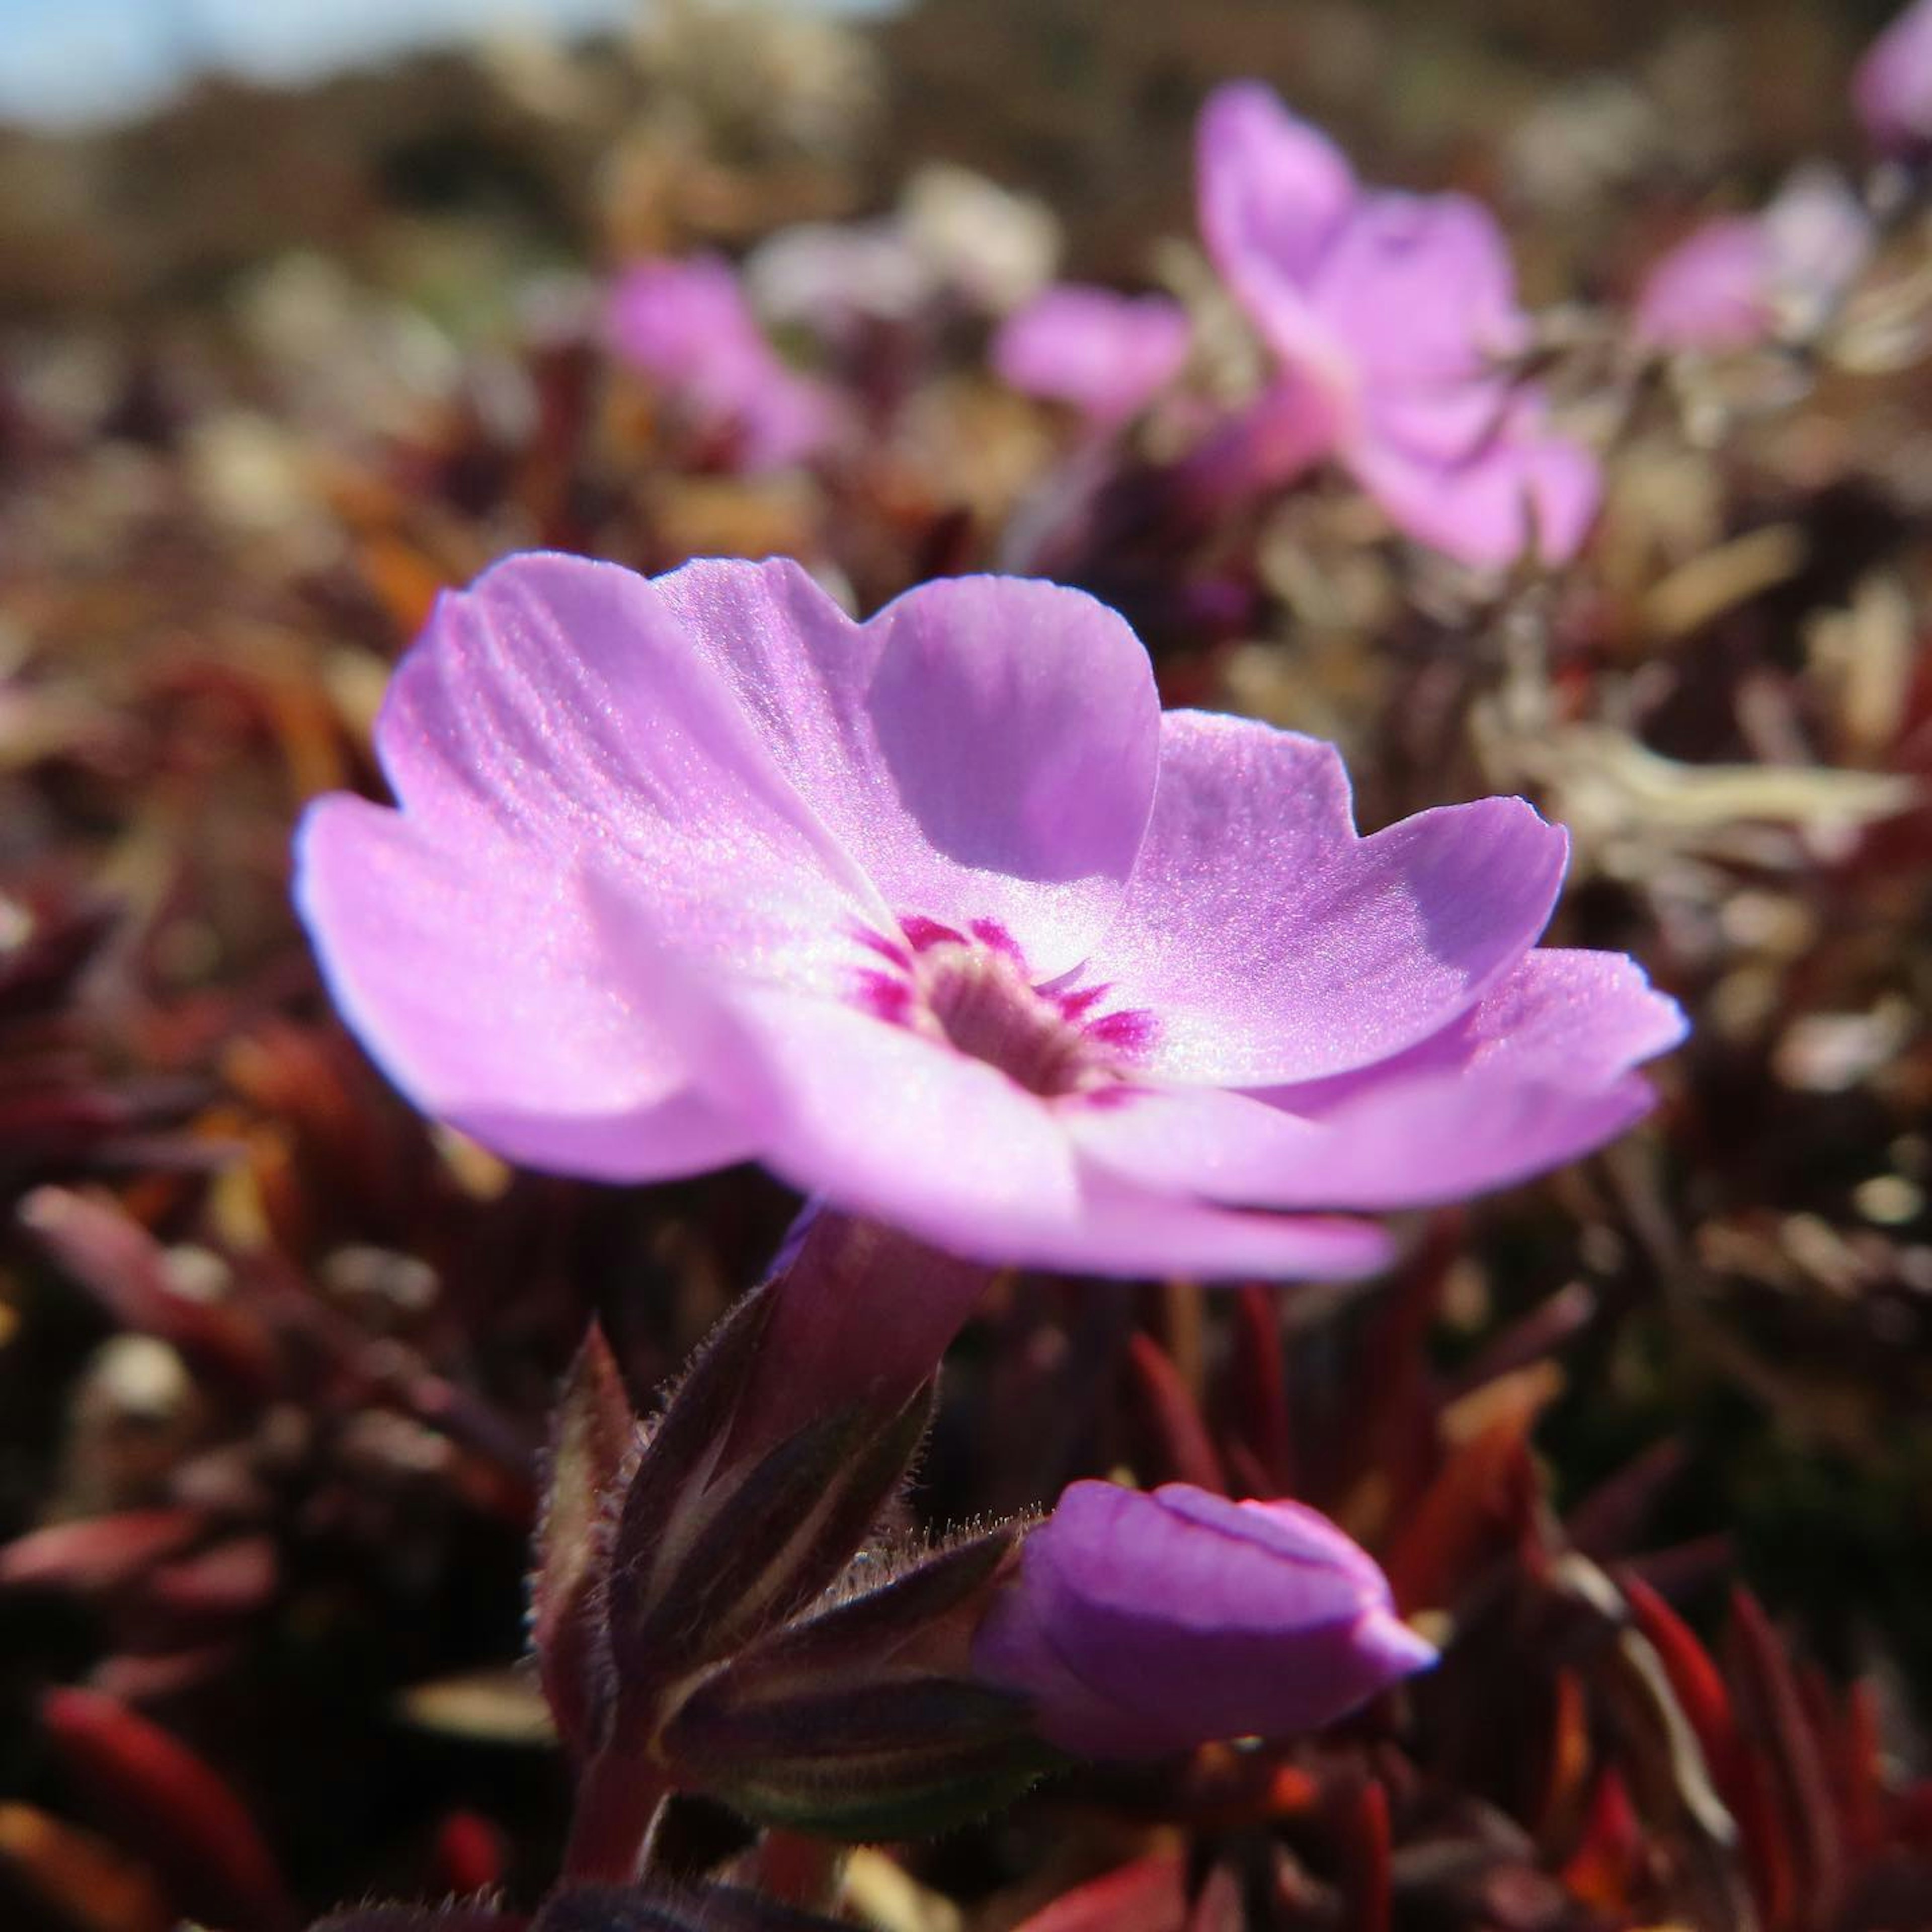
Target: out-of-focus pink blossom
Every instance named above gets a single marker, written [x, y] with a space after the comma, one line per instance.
[1743, 279]
[1141, 1624]
[940, 917]
[1107, 355]
[1892, 88]
[686, 324]
[1394, 318]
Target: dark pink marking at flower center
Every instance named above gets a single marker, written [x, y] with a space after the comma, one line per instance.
[971, 989]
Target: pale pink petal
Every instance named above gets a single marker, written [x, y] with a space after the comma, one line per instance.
[557, 747]
[1276, 439]
[1712, 291]
[488, 990]
[985, 747]
[1422, 289]
[1524, 491]
[1538, 1072]
[687, 326]
[1271, 943]
[881, 1120]
[1107, 355]
[1273, 194]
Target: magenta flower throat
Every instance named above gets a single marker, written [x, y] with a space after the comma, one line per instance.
[942, 918]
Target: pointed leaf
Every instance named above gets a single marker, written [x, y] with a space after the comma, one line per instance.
[101, 1552]
[1773, 1729]
[1181, 1436]
[877, 1627]
[766, 1542]
[593, 1437]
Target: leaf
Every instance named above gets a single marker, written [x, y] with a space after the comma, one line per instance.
[101, 1553]
[1180, 1437]
[894, 1760]
[875, 1628]
[125, 1269]
[1150, 1895]
[171, 1807]
[88, 1883]
[759, 1544]
[593, 1436]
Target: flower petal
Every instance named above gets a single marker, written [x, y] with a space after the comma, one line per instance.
[559, 751]
[1365, 946]
[1712, 291]
[985, 747]
[1523, 491]
[1273, 192]
[486, 989]
[1538, 1072]
[1106, 354]
[687, 326]
[1422, 289]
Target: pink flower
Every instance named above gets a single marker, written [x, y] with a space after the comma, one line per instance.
[1142, 1624]
[687, 326]
[1892, 89]
[939, 917]
[1107, 355]
[1394, 317]
[1712, 290]
[1739, 280]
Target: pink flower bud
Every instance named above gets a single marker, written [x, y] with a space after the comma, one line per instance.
[1144, 1624]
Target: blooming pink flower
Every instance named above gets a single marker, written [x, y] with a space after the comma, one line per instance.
[1142, 1624]
[1394, 317]
[686, 324]
[940, 917]
[1738, 280]
[1106, 354]
[1892, 89]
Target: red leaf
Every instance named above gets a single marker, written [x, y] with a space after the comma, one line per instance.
[1149, 1895]
[1774, 1728]
[1368, 1860]
[1482, 1504]
[169, 1807]
[1259, 1388]
[100, 1553]
[125, 1268]
[1180, 1437]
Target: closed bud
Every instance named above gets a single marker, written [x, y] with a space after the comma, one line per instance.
[1139, 1624]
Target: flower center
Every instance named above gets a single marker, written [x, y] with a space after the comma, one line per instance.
[972, 991]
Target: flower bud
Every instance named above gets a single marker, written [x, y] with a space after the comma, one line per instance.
[1143, 1623]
